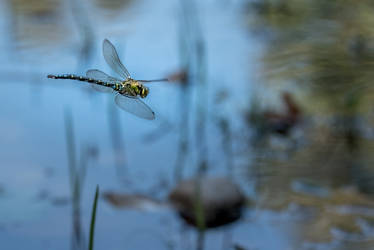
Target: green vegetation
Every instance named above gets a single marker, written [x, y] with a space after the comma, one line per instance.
[324, 47]
[93, 220]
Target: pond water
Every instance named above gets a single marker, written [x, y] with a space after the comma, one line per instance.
[57, 132]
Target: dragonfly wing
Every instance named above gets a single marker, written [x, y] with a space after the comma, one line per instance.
[134, 106]
[112, 59]
[99, 75]
[101, 88]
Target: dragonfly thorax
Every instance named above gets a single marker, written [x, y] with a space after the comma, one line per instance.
[134, 88]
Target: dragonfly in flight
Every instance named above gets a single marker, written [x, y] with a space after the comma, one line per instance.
[128, 91]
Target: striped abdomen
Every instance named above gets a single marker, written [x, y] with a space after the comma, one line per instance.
[84, 79]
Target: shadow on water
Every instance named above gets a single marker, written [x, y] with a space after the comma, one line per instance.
[76, 179]
[85, 30]
[193, 63]
[186, 63]
[77, 167]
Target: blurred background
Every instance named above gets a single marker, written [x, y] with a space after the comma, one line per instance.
[263, 137]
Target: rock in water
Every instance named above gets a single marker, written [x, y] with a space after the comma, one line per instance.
[221, 201]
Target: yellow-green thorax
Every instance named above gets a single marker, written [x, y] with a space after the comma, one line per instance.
[134, 88]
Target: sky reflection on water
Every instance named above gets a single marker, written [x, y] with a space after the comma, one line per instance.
[296, 197]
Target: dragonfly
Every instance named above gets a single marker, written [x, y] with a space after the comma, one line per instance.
[129, 91]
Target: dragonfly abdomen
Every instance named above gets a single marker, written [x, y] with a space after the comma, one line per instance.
[74, 77]
[81, 78]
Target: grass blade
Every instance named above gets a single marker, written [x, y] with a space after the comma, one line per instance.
[93, 219]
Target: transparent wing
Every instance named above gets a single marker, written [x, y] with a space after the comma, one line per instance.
[134, 106]
[99, 75]
[101, 88]
[112, 59]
